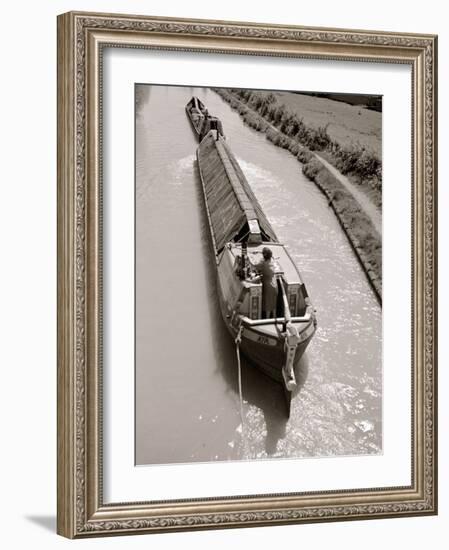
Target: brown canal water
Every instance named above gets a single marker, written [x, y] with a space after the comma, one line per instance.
[187, 399]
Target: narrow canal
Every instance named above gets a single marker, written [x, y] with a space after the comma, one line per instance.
[187, 401]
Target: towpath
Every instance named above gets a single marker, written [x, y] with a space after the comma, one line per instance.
[371, 210]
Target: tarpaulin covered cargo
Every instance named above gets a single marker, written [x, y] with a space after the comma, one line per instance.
[231, 204]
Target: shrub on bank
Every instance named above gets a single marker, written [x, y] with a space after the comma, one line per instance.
[255, 121]
[311, 168]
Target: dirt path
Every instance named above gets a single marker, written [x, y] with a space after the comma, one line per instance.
[365, 203]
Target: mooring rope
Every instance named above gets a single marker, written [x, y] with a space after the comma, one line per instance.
[238, 340]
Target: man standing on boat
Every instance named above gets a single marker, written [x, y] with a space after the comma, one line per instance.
[267, 269]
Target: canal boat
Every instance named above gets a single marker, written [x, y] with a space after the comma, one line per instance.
[239, 232]
[202, 121]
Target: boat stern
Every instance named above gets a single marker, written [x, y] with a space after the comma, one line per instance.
[275, 348]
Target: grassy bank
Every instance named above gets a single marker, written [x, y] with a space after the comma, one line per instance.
[350, 146]
[279, 127]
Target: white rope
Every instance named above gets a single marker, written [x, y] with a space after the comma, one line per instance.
[238, 339]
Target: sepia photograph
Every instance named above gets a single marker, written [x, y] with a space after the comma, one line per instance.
[258, 274]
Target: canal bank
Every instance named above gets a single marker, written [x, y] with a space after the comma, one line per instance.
[355, 220]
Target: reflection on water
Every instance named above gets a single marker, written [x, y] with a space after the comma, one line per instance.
[187, 402]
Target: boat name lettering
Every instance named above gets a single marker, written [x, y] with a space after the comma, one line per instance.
[260, 338]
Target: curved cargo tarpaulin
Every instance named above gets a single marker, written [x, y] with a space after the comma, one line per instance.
[231, 204]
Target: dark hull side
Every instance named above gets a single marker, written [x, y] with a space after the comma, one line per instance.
[271, 363]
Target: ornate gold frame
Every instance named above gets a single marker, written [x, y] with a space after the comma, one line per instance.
[81, 36]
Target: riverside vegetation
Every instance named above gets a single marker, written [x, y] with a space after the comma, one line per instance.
[263, 112]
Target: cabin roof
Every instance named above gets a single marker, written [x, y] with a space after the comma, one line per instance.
[230, 200]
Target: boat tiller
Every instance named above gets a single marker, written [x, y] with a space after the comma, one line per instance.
[290, 344]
